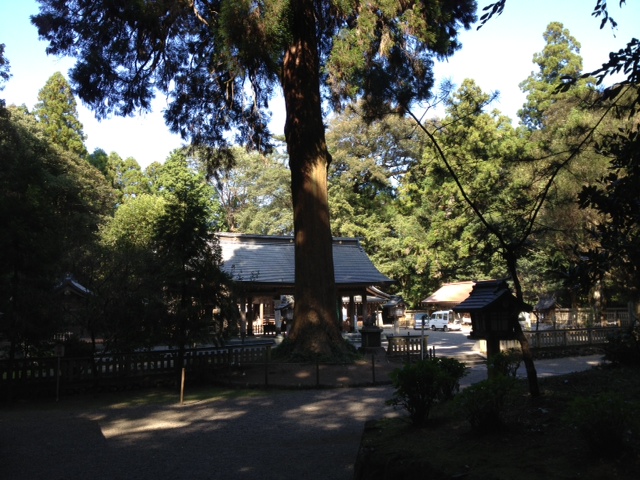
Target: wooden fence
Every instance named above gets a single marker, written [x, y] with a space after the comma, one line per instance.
[586, 317]
[569, 337]
[406, 344]
[155, 367]
[139, 367]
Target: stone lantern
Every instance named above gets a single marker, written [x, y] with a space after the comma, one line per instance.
[392, 311]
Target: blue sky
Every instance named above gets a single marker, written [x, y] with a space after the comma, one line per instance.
[498, 57]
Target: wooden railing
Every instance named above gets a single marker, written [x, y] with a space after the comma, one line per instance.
[406, 344]
[228, 365]
[569, 337]
[585, 317]
[106, 369]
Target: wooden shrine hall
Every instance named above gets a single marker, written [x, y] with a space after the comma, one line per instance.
[264, 266]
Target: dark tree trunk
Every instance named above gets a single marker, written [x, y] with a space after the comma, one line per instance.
[527, 356]
[315, 327]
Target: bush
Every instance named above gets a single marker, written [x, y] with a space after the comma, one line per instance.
[506, 363]
[452, 371]
[603, 422]
[420, 385]
[623, 347]
[483, 404]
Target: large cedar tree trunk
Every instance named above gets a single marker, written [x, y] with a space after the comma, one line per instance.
[315, 327]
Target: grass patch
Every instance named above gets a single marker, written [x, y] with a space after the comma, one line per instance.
[537, 439]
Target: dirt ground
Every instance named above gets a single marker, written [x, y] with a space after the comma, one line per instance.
[273, 434]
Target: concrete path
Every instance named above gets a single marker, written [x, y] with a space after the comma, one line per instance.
[544, 368]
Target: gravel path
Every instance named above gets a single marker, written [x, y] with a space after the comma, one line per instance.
[279, 434]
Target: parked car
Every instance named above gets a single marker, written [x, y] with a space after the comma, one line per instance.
[444, 320]
[421, 320]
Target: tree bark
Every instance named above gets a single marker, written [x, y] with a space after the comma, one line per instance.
[315, 325]
[527, 356]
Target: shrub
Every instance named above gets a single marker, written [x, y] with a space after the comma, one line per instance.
[453, 371]
[603, 421]
[623, 347]
[420, 385]
[505, 363]
[483, 404]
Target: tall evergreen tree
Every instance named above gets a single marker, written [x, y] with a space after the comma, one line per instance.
[559, 124]
[56, 110]
[559, 60]
[255, 194]
[51, 204]
[163, 253]
[4, 73]
[481, 150]
[369, 160]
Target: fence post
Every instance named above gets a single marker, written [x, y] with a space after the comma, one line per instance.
[407, 346]
[182, 387]
[373, 367]
[317, 372]
[266, 365]
[58, 380]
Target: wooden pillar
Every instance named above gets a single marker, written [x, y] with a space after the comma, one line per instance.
[352, 312]
[365, 307]
[250, 316]
[243, 318]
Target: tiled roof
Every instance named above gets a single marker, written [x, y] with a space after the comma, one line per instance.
[453, 293]
[545, 303]
[70, 285]
[269, 260]
[487, 293]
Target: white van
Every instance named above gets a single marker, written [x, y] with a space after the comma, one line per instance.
[444, 320]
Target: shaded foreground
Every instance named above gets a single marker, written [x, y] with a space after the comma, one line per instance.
[217, 434]
[537, 440]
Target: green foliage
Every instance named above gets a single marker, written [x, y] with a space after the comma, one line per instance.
[159, 276]
[368, 160]
[51, 203]
[99, 159]
[483, 404]
[615, 196]
[4, 74]
[418, 386]
[254, 194]
[604, 423]
[56, 110]
[453, 371]
[219, 67]
[623, 346]
[505, 363]
[560, 59]
[481, 148]
[134, 222]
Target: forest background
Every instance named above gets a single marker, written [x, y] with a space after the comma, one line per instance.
[464, 195]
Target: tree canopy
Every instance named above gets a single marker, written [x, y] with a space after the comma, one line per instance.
[51, 202]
